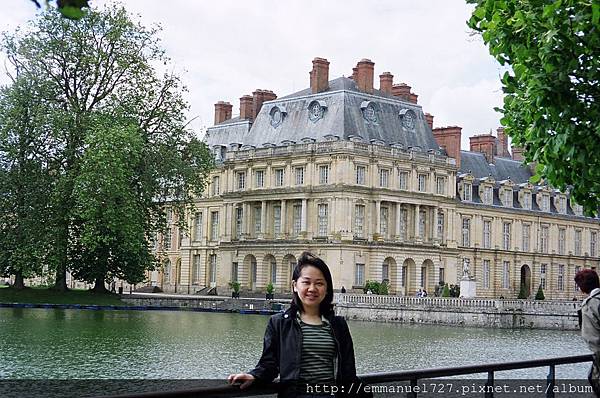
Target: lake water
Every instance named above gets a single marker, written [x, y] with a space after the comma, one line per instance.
[66, 344]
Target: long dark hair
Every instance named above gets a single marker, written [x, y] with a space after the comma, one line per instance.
[306, 259]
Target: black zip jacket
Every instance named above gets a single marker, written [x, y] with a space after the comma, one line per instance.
[282, 348]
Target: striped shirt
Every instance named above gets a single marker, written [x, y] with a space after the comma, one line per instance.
[318, 353]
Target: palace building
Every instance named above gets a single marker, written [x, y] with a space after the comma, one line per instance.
[359, 176]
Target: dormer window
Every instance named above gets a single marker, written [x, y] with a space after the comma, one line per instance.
[488, 195]
[507, 197]
[526, 203]
[561, 204]
[545, 205]
[467, 191]
[577, 209]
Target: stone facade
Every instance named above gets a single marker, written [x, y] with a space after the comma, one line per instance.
[357, 176]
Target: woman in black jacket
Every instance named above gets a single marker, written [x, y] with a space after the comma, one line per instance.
[307, 346]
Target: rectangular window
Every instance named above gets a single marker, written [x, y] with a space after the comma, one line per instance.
[254, 272]
[279, 176]
[508, 197]
[466, 232]
[544, 239]
[506, 236]
[403, 180]
[214, 225]
[441, 185]
[359, 275]
[546, 202]
[180, 236]
[241, 180]
[215, 186]
[562, 233]
[277, 219]
[422, 182]
[213, 268]
[526, 238]
[167, 238]
[527, 200]
[259, 178]
[578, 242]
[322, 210]
[440, 225]
[384, 178]
[324, 174]
[257, 220]
[273, 273]
[299, 171]
[360, 175]
[488, 195]
[560, 279]
[198, 226]
[234, 272]
[239, 222]
[422, 219]
[563, 204]
[442, 275]
[486, 274]
[593, 240]
[385, 272]
[169, 216]
[383, 221]
[467, 191]
[487, 234]
[403, 223]
[297, 215]
[196, 267]
[359, 221]
[543, 270]
[403, 277]
[505, 275]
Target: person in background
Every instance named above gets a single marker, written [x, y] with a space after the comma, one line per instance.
[587, 281]
[343, 290]
[309, 347]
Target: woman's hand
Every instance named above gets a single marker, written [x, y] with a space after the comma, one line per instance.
[244, 378]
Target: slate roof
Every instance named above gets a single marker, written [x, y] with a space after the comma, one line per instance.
[343, 117]
[502, 169]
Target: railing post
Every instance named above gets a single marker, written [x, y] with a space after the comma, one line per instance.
[489, 385]
[413, 387]
[550, 381]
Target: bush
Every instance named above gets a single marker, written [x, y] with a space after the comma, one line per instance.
[446, 291]
[540, 293]
[376, 287]
[235, 286]
[270, 288]
[454, 291]
[523, 292]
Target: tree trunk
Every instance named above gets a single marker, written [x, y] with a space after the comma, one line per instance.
[99, 286]
[19, 283]
[60, 283]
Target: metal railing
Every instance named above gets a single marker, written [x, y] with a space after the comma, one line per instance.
[413, 377]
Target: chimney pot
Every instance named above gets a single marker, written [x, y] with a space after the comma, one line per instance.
[413, 98]
[401, 90]
[260, 96]
[484, 143]
[365, 75]
[319, 75]
[386, 81]
[449, 138]
[246, 107]
[222, 111]
[429, 120]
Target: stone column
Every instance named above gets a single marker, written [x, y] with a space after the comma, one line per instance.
[283, 231]
[247, 217]
[377, 219]
[303, 216]
[436, 238]
[263, 219]
[398, 220]
[417, 221]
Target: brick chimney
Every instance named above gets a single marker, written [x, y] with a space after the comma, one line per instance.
[449, 139]
[517, 153]
[401, 90]
[386, 81]
[365, 75]
[429, 120]
[484, 143]
[319, 76]
[261, 96]
[354, 74]
[413, 98]
[502, 143]
[246, 107]
[222, 111]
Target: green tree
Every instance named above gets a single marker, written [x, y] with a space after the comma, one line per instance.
[25, 181]
[523, 293]
[102, 67]
[72, 9]
[446, 291]
[540, 293]
[552, 91]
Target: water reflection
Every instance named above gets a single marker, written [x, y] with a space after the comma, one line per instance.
[40, 343]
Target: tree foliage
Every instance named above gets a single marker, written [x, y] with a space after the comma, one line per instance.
[72, 9]
[540, 293]
[552, 92]
[119, 140]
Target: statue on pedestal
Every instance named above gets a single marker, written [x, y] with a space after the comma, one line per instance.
[466, 265]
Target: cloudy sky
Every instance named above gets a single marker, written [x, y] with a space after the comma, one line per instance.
[229, 48]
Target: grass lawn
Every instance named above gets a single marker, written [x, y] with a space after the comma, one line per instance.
[47, 296]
